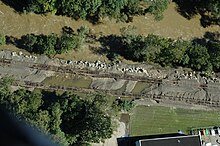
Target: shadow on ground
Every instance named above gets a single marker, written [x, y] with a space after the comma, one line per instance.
[111, 46]
[17, 5]
[190, 8]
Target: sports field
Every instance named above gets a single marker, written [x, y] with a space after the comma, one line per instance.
[157, 120]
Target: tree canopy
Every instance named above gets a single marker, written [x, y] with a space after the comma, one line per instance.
[199, 55]
[53, 44]
[93, 10]
[70, 119]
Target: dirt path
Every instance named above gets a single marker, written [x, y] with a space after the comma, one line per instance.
[173, 25]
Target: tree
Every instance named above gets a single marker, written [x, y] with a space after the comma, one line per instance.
[199, 58]
[175, 54]
[41, 44]
[124, 105]
[28, 41]
[47, 44]
[68, 118]
[85, 121]
[139, 48]
[67, 42]
[79, 8]
[213, 7]
[93, 10]
[5, 89]
[157, 7]
[42, 6]
[214, 52]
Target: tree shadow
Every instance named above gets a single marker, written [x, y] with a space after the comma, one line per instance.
[49, 97]
[111, 46]
[208, 37]
[190, 8]
[11, 40]
[213, 36]
[17, 5]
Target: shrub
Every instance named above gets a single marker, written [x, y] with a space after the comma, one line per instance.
[2, 39]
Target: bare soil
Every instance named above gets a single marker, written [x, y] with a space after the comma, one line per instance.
[173, 25]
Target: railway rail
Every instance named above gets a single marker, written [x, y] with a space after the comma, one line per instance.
[85, 72]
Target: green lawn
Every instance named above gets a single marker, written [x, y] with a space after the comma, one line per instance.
[140, 86]
[157, 120]
[69, 81]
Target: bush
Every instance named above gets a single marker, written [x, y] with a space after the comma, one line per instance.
[2, 39]
[124, 105]
[168, 52]
[52, 44]
[157, 7]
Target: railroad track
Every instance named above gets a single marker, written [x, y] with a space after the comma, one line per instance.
[84, 72]
[112, 93]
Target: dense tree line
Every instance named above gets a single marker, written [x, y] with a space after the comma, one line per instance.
[200, 55]
[70, 119]
[93, 10]
[53, 44]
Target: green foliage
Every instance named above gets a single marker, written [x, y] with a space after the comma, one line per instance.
[199, 58]
[68, 118]
[42, 6]
[52, 44]
[93, 10]
[79, 8]
[91, 123]
[47, 44]
[67, 41]
[174, 54]
[213, 7]
[41, 44]
[124, 105]
[2, 39]
[167, 52]
[157, 7]
[214, 51]
[5, 87]
[139, 48]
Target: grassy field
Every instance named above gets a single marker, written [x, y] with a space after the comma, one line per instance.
[15, 24]
[157, 120]
[140, 86]
[69, 81]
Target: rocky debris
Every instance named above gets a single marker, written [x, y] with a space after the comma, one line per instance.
[139, 70]
[107, 83]
[117, 67]
[130, 86]
[24, 73]
[187, 89]
[180, 84]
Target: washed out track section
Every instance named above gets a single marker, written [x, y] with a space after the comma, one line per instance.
[136, 81]
[157, 98]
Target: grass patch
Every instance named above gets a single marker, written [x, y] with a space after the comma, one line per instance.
[139, 87]
[159, 120]
[69, 81]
